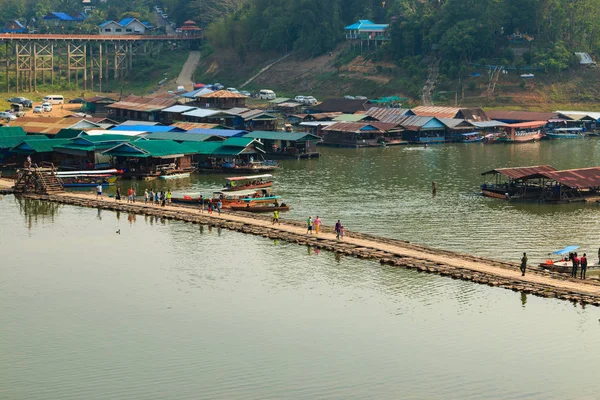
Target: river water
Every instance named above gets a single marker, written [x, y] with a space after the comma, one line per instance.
[173, 310]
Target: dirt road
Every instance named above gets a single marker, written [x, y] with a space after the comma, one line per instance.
[187, 72]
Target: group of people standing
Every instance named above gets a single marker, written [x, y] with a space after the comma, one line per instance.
[578, 262]
[315, 224]
[161, 198]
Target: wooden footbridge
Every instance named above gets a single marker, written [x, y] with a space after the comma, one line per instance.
[393, 252]
[86, 60]
[38, 179]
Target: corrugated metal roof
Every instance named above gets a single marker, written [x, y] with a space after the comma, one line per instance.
[255, 114]
[581, 114]
[201, 113]
[178, 109]
[324, 116]
[222, 94]
[219, 132]
[522, 116]
[238, 141]
[583, 178]
[380, 113]
[239, 110]
[143, 104]
[30, 146]
[151, 148]
[456, 123]
[9, 142]
[435, 111]
[146, 128]
[488, 124]
[350, 117]
[415, 123]
[277, 135]
[45, 125]
[393, 119]
[7, 131]
[340, 105]
[186, 126]
[521, 172]
[134, 122]
[180, 136]
[355, 127]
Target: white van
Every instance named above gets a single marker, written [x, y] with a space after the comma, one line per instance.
[266, 94]
[54, 99]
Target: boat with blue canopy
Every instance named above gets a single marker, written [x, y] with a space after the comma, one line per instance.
[566, 133]
[565, 265]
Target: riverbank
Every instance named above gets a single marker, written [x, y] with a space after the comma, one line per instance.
[387, 251]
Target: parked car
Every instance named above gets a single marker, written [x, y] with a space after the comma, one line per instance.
[309, 100]
[299, 99]
[246, 93]
[27, 103]
[18, 100]
[7, 116]
[218, 86]
[17, 110]
[360, 98]
[349, 98]
[232, 90]
[47, 107]
[76, 100]
[266, 94]
[38, 109]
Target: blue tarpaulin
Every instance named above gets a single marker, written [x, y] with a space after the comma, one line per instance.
[566, 250]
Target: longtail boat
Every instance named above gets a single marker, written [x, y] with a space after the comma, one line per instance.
[237, 183]
[84, 180]
[259, 208]
[241, 197]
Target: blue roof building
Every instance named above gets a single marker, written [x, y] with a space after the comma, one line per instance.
[14, 26]
[59, 17]
[365, 29]
[126, 26]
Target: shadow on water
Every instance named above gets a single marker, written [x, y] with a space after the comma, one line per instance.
[35, 211]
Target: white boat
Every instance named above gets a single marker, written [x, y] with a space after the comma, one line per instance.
[180, 175]
[87, 172]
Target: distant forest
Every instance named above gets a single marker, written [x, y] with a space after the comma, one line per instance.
[460, 31]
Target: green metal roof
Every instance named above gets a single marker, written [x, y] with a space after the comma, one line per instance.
[178, 136]
[278, 135]
[238, 141]
[109, 137]
[68, 133]
[30, 146]
[204, 148]
[11, 141]
[149, 148]
[11, 131]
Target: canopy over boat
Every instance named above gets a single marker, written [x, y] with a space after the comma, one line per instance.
[566, 250]
[239, 193]
[90, 172]
[249, 178]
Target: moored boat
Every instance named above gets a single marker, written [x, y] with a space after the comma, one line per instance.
[241, 197]
[522, 132]
[237, 183]
[84, 180]
[566, 133]
[260, 208]
[178, 175]
[564, 265]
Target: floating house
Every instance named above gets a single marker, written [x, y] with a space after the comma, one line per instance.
[422, 130]
[352, 134]
[511, 117]
[469, 114]
[86, 152]
[285, 145]
[543, 183]
[148, 159]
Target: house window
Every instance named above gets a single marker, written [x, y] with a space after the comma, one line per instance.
[128, 30]
[118, 29]
[107, 29]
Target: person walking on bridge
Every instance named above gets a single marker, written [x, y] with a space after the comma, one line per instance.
[338, 227]
[317, 225]
[583, 262]
[523, 264]
[309, 225]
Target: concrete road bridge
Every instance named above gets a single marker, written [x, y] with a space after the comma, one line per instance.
[87, 60]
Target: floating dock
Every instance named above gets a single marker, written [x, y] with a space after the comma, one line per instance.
[387, 251]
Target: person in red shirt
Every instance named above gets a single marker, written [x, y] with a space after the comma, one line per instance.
[575, 261]
[583, 263]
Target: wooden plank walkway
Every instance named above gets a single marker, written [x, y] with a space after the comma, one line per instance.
[385, 250]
